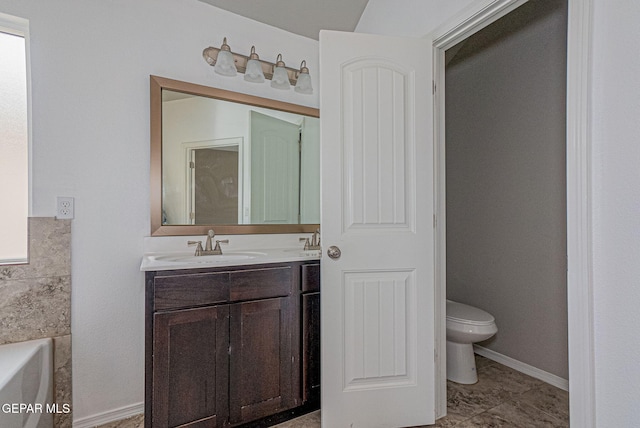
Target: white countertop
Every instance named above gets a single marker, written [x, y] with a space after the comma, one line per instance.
[186, 260]
[172, 252]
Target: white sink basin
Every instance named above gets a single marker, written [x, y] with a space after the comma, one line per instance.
[304, 253]
[210, 258]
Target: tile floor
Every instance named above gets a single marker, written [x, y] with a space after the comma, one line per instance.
[502, 397]
[132, 422]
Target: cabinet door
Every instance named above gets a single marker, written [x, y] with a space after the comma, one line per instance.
[311, 347]
[191, 367]
[261, 359]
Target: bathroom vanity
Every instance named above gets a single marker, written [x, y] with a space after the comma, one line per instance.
[233, 345]
[232, 337]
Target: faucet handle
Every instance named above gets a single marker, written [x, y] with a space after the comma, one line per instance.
[217, 250]
[198, 245]
[306, 243]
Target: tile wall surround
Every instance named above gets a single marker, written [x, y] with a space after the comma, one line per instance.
[35, 300]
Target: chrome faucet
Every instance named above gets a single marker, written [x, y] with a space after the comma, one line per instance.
[209, 249]
[314, 244]
[315, 240]
[207, 246]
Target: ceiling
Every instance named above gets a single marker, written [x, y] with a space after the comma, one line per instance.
[304, 17]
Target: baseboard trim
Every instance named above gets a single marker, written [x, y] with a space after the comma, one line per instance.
[109, 416]
[547, 377]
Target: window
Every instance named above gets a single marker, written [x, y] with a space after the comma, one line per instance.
[14, 141]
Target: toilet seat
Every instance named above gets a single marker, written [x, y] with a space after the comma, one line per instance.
[465, 314]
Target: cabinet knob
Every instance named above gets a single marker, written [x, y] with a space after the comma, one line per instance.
[334, 252]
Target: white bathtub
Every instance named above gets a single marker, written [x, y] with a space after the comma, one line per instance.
[26, 384]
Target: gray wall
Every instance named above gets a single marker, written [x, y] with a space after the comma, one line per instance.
[506, 204]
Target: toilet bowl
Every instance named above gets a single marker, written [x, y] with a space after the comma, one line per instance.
[465, 326]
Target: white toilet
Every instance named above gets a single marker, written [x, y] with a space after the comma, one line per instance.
[466, 325]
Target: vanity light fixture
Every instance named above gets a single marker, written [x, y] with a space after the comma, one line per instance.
[280, 79]
[303, 85]
[254, 71]
[225, 65]
[281, 76]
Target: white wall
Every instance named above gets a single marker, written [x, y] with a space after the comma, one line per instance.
[90, 64]
[615, 91]
[616, 210]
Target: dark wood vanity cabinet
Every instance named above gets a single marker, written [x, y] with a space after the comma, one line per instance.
[261, 364]
[227, 346]
[310, 306]
[191, 367]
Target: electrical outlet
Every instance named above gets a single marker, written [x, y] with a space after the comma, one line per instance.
[64, 208]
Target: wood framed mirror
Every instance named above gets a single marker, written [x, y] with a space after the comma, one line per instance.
[235, 163]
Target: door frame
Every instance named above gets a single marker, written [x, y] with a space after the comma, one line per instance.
[187, 150]
[578, 175]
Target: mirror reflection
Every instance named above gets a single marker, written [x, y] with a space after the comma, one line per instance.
[228, 163]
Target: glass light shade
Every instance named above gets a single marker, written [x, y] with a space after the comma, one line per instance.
[254, 73]
[303, 85]
[224, 64]
[280, 79]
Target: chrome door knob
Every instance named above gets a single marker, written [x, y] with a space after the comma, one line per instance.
[334, 252]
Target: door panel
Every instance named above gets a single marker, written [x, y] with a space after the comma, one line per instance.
[377, 207]
[275, 170]
[378, 348]
[190, 374]
[261, 346]
[377, 170]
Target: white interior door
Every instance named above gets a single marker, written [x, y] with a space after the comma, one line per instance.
[275, 170]
[377, 207]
